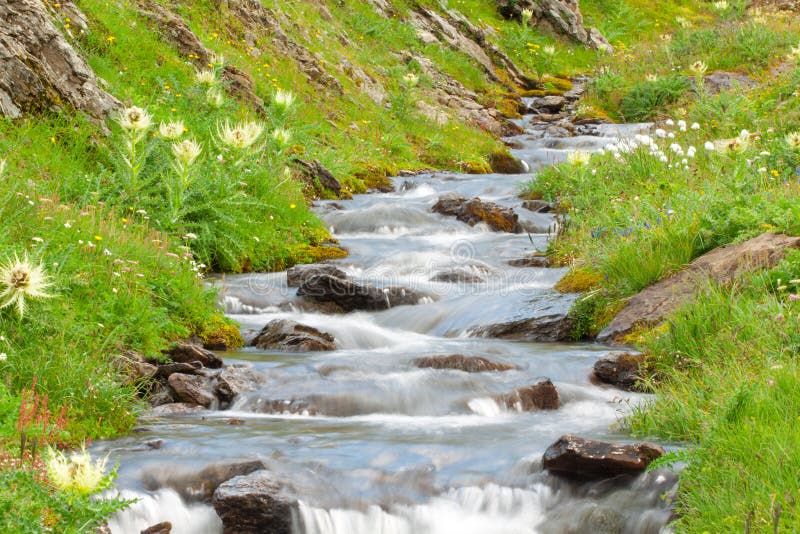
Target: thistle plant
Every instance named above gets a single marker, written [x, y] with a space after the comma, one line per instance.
[20, 281]
[135, 122]
[699, 69]
[77, 473]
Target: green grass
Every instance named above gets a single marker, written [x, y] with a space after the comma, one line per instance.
[727, 377]
[724, 368]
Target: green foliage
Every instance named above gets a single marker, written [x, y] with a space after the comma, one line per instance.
[645, 99]
[29, 505]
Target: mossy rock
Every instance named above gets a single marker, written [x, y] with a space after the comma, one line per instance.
[304, 253]
[509, 108]
[221, 331]
[559, 83]
[579, 281]
[531, 195]
[505, 163]
[531, 93]
[475, 166]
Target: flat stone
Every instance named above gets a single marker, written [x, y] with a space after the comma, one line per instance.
[300, 273]
[653, 304]
[288, 335]
[189, 353]
[474, 211]
[469, 364]
[551, 327]
[164, 371]
[575, 457]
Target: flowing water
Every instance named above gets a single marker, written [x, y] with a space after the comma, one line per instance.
[390, 448]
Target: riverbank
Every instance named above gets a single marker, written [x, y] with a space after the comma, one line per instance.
[721, 167]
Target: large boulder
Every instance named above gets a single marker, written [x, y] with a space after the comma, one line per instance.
[288, 335]
[550, 327]
[192, 389]
[621, 369]
[39, 69]
[300, 273]
[255, 504]
[584, 459]
[199, 485]
[469, 364]
[474, 211]
[352, 296]
[541, 396]
[722, 265]
[561, 16]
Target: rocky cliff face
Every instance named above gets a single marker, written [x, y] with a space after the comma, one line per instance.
[559, 16]
[39, 69]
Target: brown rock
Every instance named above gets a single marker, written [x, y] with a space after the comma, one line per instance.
[723, 265]
[469, 364]
[284, 334]
[192, 389]
[621, 369]
[474, 211]
[164, 371]
[39, 69]
[189, 353]
[314, 170]
[550, 327]
[300, 273]
[530, 261]
[161, 528]
[540, 396]
[584, 459]
[134, 366]
[255, 504]
[351, 296]
[538, 206]
[549, 104]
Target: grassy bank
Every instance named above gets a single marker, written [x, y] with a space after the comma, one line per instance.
[720, 168]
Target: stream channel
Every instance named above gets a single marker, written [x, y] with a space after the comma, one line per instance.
[395, 449]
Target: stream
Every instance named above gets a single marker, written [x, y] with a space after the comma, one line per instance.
[392, 448]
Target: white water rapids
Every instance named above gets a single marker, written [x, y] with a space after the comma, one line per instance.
[390, 448]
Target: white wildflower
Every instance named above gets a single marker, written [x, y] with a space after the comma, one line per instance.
[282, 136]
[20, 280]
[240, 136]
[171, 130]
[579, 157]
[695, 126]
[698, 67]
[793, 140]
[186, 152]
[284, 99]
[709, 146]
[134, 119]
[205, 77]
